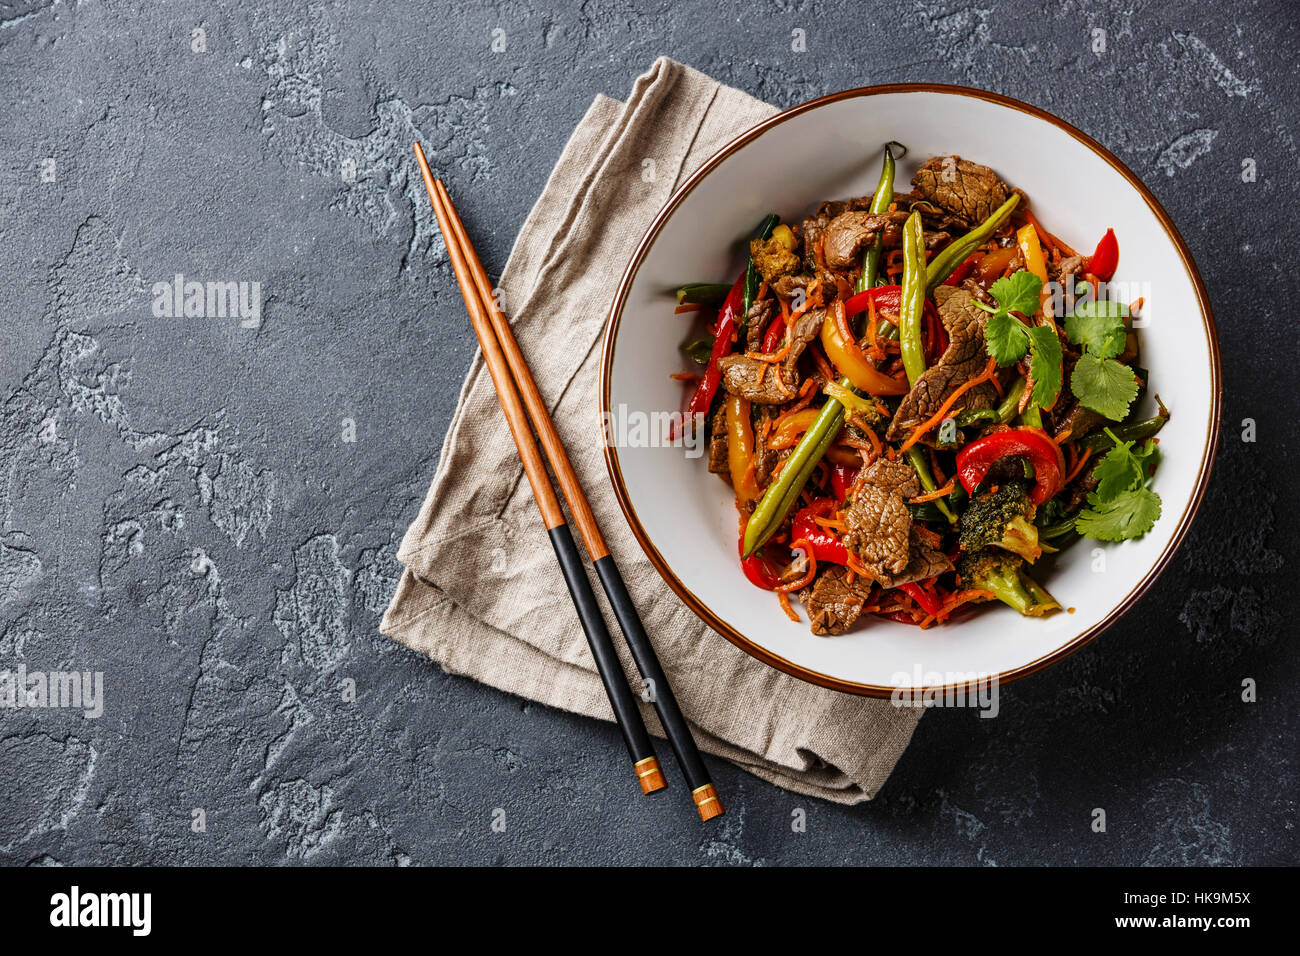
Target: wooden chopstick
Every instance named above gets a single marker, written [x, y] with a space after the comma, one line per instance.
[644, 762]
[670, 715]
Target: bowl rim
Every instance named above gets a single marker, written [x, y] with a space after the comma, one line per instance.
[670, 207]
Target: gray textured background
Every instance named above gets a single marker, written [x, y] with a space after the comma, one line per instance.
[177, 508]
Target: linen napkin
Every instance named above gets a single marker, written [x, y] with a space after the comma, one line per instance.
[481, 594]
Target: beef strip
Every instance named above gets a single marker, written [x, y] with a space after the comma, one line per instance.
[718, 463]
[924, 560]
[849, 233]
[833, 604]
[762, 382]
[760, 313]
[964, 358]
[975, 289]
[786, 285]
[812, 229]
[1079, 421]
[969, 191]
[765, 457]
[878, 524]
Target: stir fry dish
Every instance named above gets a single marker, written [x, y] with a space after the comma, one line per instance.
[916, 395]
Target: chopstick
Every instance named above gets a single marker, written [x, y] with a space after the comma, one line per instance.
[621, 699]
[703, 792]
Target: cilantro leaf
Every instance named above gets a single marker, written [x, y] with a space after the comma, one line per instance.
[1045, 364]
[1099, 326]
[1117, 471]
[1130, 514]
[1018, 292]
[1104, 385]
[1006, 338]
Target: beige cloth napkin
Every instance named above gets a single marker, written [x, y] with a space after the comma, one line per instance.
[481, 593]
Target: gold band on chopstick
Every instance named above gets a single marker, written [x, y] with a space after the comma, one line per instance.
[650, 775]
[707, 802]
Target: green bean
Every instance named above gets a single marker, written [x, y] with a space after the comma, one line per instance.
[702, 293]
[784, 492]
[956, 252]
[911, 305]
[1011, 404]
[922, 468]
[880, 201]
[1134, 431]
[752, 281]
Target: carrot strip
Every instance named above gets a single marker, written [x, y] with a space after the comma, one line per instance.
[785, 606]
[937, 493]
[1078, 466]
[688, 307]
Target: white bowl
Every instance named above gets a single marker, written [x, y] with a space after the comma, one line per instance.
[829, 148]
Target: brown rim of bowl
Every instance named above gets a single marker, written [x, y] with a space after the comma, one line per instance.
[629, 274]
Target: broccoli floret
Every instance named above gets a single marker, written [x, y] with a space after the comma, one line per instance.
[1003, 574]
[1003, 518]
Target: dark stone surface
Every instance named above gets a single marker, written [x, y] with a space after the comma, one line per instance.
[178, 510]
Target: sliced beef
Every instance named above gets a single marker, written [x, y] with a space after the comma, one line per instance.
[766, 383]
[849, 234]
[924, 560]
[877, 520]
[964, 358]
[977, 291]
[813, 229]
[718, 443]
[1061, 271]
[969, 191]
[833, 604]
[1079, 421]
[765, 457]
[760, 314]
[786, 285]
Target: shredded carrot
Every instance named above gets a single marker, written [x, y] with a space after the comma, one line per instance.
[937, 493]
[687, 307]
[1078, 465]
[762, 291]
[831, 523]
[785, 606]
[686, 376]
[938, 416]
[997, 387]
[872, 322]
[819, 359]
[854, 565]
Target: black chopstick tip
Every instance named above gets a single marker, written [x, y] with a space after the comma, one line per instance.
[707, 802]
[650, 775]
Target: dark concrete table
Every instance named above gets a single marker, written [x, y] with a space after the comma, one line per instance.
[180, 511]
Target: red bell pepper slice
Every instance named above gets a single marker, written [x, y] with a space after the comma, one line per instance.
[759, 569]
[842, 478]
[1105, 260]
[966, 268]
[728, 321]
[922, 597]
[825, 545]
[975, 460]
[772, 338]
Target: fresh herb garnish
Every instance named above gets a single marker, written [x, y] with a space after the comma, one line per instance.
[1099, 381]
[1007, 338]
[1122, 506]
